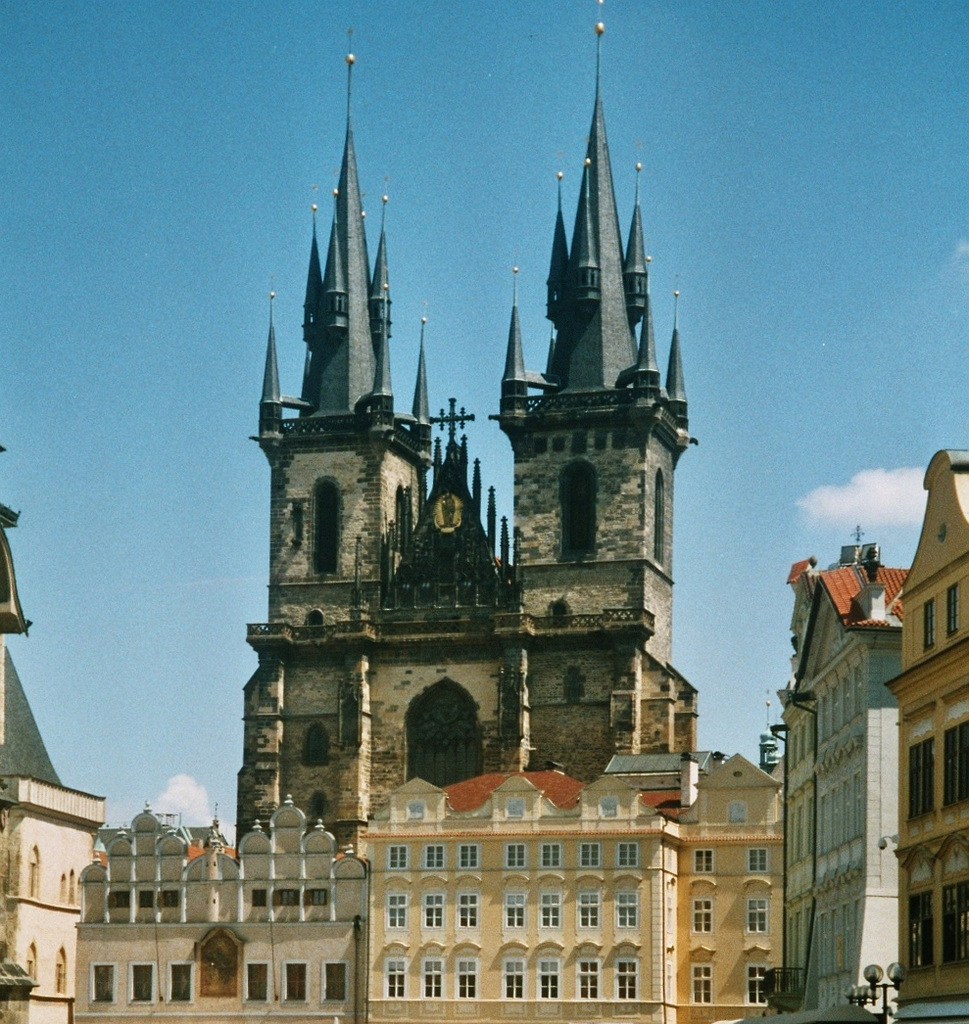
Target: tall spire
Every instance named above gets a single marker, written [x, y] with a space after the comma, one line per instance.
[380, 286]
[381, 381]
[675, 389]
[634, 265]
[270, 405]
[595, 342]
[342, 365]
[314, 288]
[559, 264]
[420, 408]
[514, 359]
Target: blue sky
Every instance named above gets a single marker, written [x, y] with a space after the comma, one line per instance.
[804, 185]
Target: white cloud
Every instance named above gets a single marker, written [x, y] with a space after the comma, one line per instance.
[183, 795]
[961, 250]
[873, 497]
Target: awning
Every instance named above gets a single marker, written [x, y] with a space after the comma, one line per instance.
[847, 1014]
[949, 1011]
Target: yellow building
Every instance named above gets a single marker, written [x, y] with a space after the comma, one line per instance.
[530, 896]
[933, 701]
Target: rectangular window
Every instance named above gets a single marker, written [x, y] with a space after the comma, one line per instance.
[469, 856]
[169, 898]
[142, 983]
[259, 897]
[515, 855]
[515, 807]
[703, 915]
[955, 922]
[588, 910]
[294, 982]
[928, 623]
[703, 983]
[180, 983]
[514, 973]
[514, 910]
[396, 972]
[955, 775]
[551, 855]
[952, 609]
[434, 910]
[433, 979]
[286, 898]
[627, 855]
[550, 904]
[590, 855]
[335, 981]
[920, 929]
[757, 914]
[921, 772]
[588, 979]
[757, 860]
[467, 910]
[548, 979]
[119, 898]
[703, 861]
[434, 857]
[397, 910]
[756, 993]
[257, 982]
[396, 858]
[627, 975]
[146, 899]
[627, 909]
[316, 897]
[467, 979]
[102, 983]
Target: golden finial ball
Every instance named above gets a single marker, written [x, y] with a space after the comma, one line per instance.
[676, 294]
[385, 286]
[363, 213]
[639, 167]
[350, 58]
[313, 207]
[600, 28]
[559, 175]
[514, 270]
[649, 259]
[383, 199]
[588, 161]
[423, 319]
[336, 192]
[272, 295]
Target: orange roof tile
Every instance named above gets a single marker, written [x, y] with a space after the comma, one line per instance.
[844, 585]
[797, 569]
[561, 789]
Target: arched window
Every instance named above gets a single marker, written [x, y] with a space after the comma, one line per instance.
[33, 874]
[63, 888]
[316, 745]
[578, 497]
[319, 805]
[659, 518]
[443, 735]
[314, 617]
[327, 526]
[60, 973]
[72, 888]
[32, 961]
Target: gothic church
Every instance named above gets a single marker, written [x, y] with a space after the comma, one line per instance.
[411, 635]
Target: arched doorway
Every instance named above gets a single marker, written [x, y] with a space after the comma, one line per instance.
[443, 735]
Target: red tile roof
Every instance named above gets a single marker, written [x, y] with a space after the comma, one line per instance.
[561, 789]
[666, 801]
[797, 569]
[844, 586]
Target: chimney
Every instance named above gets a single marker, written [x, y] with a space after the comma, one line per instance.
[872, 597]
[689, 777]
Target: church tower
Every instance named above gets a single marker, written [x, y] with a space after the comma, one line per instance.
[595, 453]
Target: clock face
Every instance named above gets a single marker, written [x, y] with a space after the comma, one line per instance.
[447, 511]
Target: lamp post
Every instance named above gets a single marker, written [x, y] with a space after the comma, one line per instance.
[873, 974]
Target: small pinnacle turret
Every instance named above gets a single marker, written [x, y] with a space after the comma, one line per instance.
[559, 264]
[270, 405]
[634, 265]
[380, 288]
[675, 388]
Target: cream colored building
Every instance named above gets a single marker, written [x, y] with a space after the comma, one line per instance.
[933, 702]
[178, 932]
[530, 896]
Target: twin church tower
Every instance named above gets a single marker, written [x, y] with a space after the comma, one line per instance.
[409, 633]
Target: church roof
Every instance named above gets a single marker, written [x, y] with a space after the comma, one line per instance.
[562, 790]
[22, 750]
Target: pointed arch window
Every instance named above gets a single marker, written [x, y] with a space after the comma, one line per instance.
[443, 735]
[316, 745]
[31, 964]
[33, 874]
[60, 973]
[577, 491]
[659, 517]
[327, 526]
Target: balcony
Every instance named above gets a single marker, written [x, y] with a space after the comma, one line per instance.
[784, 988]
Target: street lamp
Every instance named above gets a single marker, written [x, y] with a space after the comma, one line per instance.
[863, 994]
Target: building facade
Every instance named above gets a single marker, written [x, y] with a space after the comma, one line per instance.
[841, 762]
[412, 635]
[933, 805]
[174, 931]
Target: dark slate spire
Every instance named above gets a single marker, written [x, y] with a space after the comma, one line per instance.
[270, 405]
[634, 265]
[420, 408]
[513, 383]
[381, 381]
[314, 289]
[559, 265]
[675, 389]
[594, 343]
[342, 368]
[380, 287]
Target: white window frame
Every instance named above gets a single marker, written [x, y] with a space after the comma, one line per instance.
[515, 902]
[269, 980]
[468, 912]
[466, 968]
[551, 968]
[756, 856]
[590, 855]
[627, 854]
[397, 906]
[438, 973]
[398, 857]
[704, 861]
[750, 976]
[190, 964]
[433, 858]
[627, 908]
[588, 904]
[512, 859]
[469, 856]
[550, 910]
[284, 977]
[513, 968]
[395, 967]
[701, 984]
[550, 856]
[432, 906]
[150, 964]
[114, 982]
[762, 915]
[585, 975]
[702, 909]
[625, 975]
[325, 996]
